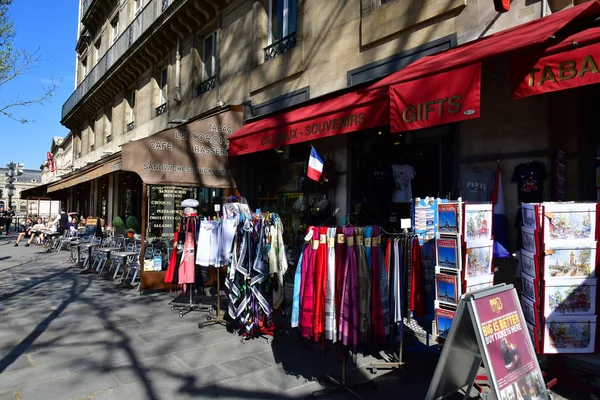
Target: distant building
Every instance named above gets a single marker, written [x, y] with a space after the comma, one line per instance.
[30, 179]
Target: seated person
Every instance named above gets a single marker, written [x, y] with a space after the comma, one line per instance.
[82, 223]
[36, 229]
[24, 231]
[72, 224]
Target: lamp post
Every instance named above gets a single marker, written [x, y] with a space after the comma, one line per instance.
[14, 170]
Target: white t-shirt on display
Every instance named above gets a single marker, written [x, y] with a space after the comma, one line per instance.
[403, 175]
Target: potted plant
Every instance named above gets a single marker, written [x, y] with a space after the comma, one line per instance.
[132, 224]
[118, 225]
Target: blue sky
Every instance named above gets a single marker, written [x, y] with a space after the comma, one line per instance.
[50, 26]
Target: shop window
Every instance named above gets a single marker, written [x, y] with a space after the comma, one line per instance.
[282, 28]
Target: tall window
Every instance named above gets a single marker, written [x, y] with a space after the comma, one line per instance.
[97, 48]
[108, 127]
[92, 136]
[114, 29]
[209, 56]
[137, 5]
[83, 68]
[162, 86]
[131, 106]
[282, 19]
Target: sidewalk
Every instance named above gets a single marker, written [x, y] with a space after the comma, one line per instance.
[72, 336]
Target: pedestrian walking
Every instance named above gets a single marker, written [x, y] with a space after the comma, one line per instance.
[9, 214]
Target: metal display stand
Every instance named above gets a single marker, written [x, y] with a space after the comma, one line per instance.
[210, 320]
[341, 383]
[191, 306]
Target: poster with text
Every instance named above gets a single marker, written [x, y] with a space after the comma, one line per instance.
[566, 334]
[446, 288]
[510, 353]
[448, 218]
[447, 253]
[570, 297]
[529, 242]
[443, 321]
[478, 222]
[479, 261]
[570, 262]
[569, 222]
[528, 264]
[528, 214]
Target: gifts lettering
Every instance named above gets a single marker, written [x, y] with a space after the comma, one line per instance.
[563, 71]
[422, 111]
[314, 129]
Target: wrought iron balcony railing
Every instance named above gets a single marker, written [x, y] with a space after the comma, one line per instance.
[206, 85]
[281, 46]
[160, 110]
[130, 126]
[152, 10]
[86, 6]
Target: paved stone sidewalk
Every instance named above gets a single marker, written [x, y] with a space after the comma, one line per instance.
[64, 335]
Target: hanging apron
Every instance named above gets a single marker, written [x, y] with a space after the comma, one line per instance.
[187, 266]
[330, 294]
[348, 329]
[364, 286]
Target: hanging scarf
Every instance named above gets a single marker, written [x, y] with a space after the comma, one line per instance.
[368, 243]
[395, 277]
[384, 284]
[377, 321]
[330, 294]
[364, 286]
[340, 251]
[417, 299]
[348, 329]
[320, 286]
[297, 287]
[307, 305]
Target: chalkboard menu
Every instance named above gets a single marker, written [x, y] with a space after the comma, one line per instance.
[164, 209]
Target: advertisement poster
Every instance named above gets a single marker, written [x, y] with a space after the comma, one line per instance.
[568, 222]
[570, 297]
[424, 218]
[570, 335]
[443, 321]
[528, 263]
[479, 261]
[478, 222]
[448, 218]
[447, 253]
[528, 213]
[446, 288]
[570, 263]
[511, 357]
[528, 239]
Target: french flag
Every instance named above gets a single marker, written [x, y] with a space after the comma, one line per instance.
[315, 165]
[500, 226]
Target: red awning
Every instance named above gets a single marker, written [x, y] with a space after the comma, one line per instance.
[346, 113]
[521, 37]
[448, 97]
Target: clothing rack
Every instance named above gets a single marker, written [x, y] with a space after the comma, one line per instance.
[341, 383]
[191, 306]
[210, 320]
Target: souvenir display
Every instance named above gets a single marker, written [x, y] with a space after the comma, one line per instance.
[528, 263]
[528, 287]
[479, 261]
[446, 288]
[570, 334]
[471, 287]
[570, 297]
[447, 252]
[569, 222]
[529, 310]
[443, 321]
[529, 218]
[478, 222]
[448, 218]
[570, 263]
[529, 242]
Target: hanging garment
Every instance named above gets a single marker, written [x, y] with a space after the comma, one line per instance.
[228, 227]
[187, 266]
[307, 305]
[208, 243]
[395, 278]
[340, 252]
[297, 287]
[173, 258]
[388, 256]
[364, 286]
[278, 263]
[417, 299]
[384, 284]
[348, 329]
[330, 293]
[320, 286]
[377, 322]
[368, 243]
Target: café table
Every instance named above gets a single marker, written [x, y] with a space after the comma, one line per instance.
[123, 255]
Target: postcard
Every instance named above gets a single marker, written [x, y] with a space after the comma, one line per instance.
[448, 218]
[569, 221]
[528, 213]
[528, 287]
[473, 286]
[529, 242]
[528, 263]
[447, 253]
[570, 297]
[531, 330]
[479, 261]
[446, 288]
[570, 263]
[478, 222]
[570, 335]
[443, 322]
[528, 310]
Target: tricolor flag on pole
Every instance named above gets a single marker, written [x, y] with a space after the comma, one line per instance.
[500, 227]
[315, 165]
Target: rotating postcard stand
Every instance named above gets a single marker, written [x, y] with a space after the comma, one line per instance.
[190, 215]
[489, 327]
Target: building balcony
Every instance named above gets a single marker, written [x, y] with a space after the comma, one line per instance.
[95, 12]
[281, 46]
[206, 85]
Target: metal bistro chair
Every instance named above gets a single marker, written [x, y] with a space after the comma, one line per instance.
[98, 255]
[116, 243]
[119, 261]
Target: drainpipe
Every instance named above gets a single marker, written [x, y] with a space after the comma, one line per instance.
[177, 94]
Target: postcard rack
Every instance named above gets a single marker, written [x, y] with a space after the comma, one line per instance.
[557, 268]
